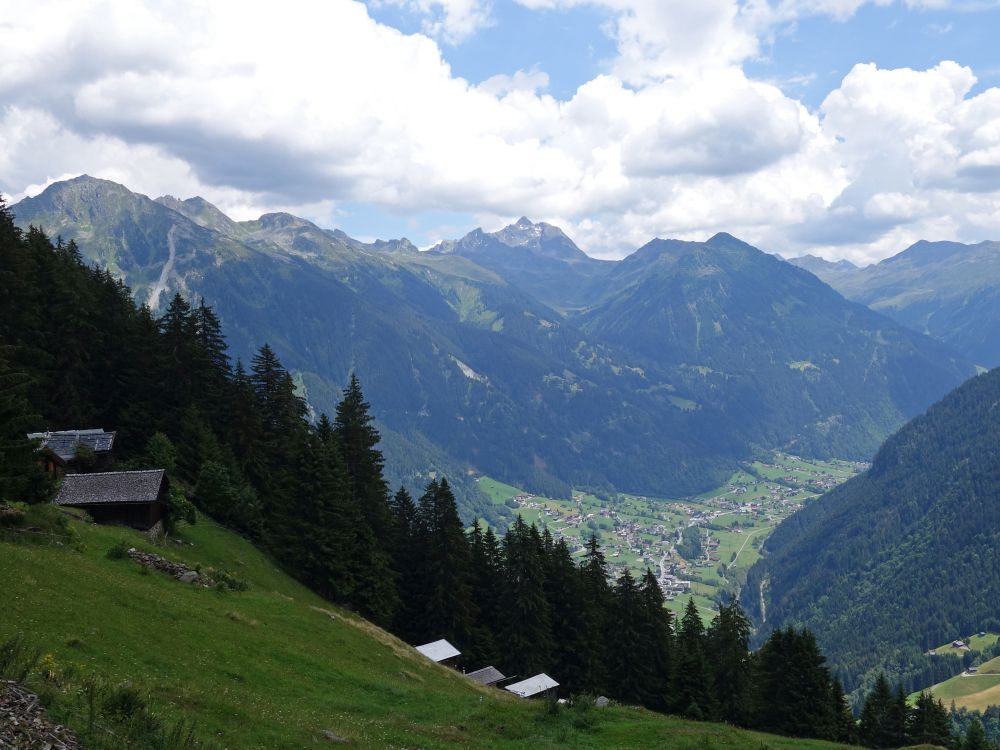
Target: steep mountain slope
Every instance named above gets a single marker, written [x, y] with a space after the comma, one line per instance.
[947, 290]
[467, 372]
[687, 358]
[903, 557]
[771, 344]
[275, 666]
[537, 258]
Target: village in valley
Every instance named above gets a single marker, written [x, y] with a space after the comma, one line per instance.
[700, 545]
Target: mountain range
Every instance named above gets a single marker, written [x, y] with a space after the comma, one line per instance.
[948, 290]
[515, 354]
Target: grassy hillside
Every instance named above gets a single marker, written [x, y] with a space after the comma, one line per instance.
[275, 665]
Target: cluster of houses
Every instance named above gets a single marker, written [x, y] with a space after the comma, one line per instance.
[80, 458]
[539, 686]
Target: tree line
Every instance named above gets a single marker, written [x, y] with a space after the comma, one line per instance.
[77, 352]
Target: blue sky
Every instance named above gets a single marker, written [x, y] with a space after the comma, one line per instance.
[844, 128]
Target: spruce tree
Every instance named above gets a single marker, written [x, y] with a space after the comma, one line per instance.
[928, 722]
[446, 568]
[691, 694]
[875, 728]
[658, 642]
[358, 440]
[629, 673]
[525, 630]
[564, 594]
[732, 671]
[595, 606]
[21, 477]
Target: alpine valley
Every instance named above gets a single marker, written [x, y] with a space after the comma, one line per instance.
[514, 354]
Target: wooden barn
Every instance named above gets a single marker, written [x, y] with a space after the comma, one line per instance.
[127, 498]
[440, 651]
[539, 686]
[59, 449]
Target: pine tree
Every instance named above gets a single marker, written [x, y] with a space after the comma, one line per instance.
[446, 567]
[875, 728]
[564, 594]
[691, 692]
[629, 673]
[975, 737]
[525, 625]
[21, 478]
[358, 440]
[487, 585]
[596, 608]
[928, 722]
[732, 672]
[658, 642]
[846, 726]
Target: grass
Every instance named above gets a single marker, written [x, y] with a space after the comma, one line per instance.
[976, 643]
[975, 692]
[274, 666]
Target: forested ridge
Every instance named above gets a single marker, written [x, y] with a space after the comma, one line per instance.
[237, 443]
[902, 558]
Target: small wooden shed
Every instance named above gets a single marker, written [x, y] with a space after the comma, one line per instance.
[440, 651]
[58, 449]
[486, 676]
[539, 686]
[127, 498]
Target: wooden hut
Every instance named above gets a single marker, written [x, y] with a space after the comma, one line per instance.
[440, 651]
[539, 686]
[486, 676]
[128, 498]
[58, 449]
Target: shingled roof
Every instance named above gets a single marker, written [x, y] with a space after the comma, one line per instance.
[111, 488]
[486, 676]
[64, 443]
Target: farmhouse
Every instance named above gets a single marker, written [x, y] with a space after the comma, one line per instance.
[58, 449]
[539, 686]
[128, 498]
[440, 651]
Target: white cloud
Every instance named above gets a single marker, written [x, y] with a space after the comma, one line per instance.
[259, 107]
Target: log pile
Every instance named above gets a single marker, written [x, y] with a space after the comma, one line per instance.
[24, 725]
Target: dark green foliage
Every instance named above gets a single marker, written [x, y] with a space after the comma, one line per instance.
[446, 595]
[928, 722]
[692, 691]
[525, 621]
[732, 670]
[690, 547]
[903, 557]
[793, 692]
[21, 478]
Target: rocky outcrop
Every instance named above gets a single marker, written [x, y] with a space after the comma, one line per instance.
[176, 570]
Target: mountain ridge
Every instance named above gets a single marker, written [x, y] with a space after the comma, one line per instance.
[473, 372]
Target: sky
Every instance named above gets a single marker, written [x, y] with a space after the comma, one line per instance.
[840, 128]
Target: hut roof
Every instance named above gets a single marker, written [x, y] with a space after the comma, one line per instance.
[486, 676]
[533, 685]
[64, 443]
[439, 650]
[111, 487]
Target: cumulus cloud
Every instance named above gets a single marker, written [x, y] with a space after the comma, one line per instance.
[257, 106]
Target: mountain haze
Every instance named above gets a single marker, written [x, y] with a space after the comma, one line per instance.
[948, 290]
[666, 370]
